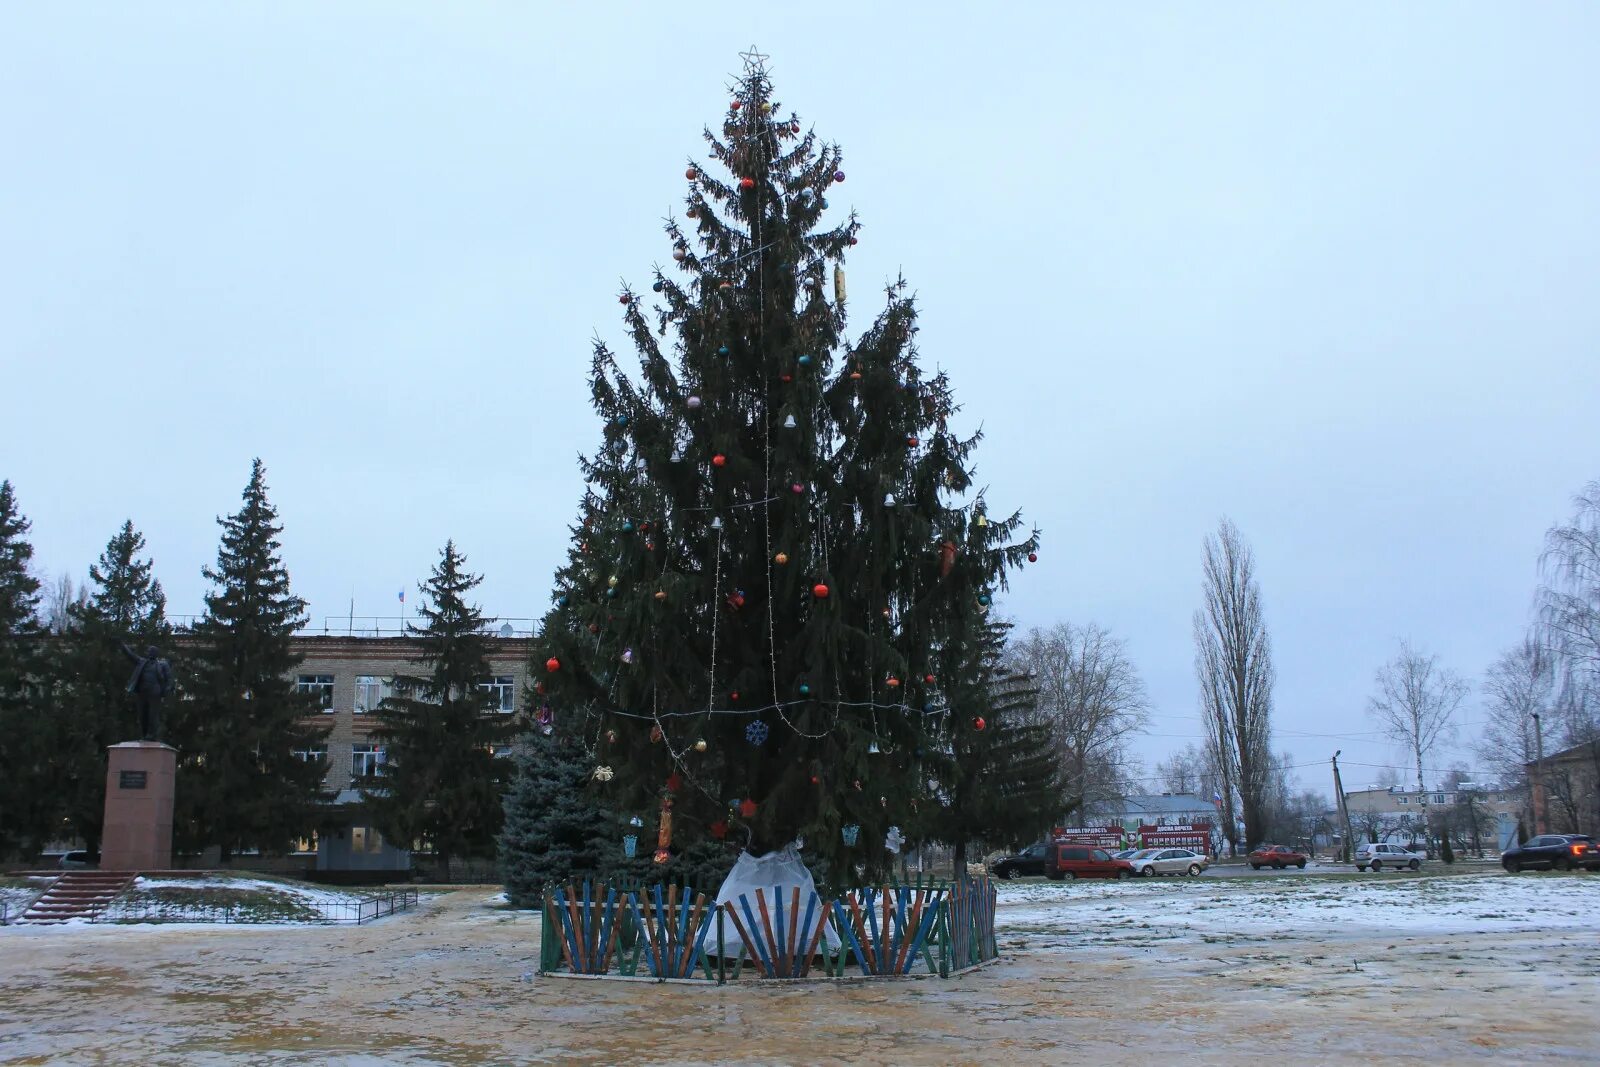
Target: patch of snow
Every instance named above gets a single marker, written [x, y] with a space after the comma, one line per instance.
[1191, 908]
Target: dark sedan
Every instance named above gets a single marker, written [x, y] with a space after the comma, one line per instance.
[1028, 861]
[1553, 852]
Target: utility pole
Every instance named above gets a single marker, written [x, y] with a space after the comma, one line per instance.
[1538, 776]
[1344, 812]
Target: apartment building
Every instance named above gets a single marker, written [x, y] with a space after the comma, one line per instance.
[1395, 813]
[348, 676]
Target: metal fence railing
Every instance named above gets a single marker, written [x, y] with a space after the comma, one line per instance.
[277, 910]
[5, 914]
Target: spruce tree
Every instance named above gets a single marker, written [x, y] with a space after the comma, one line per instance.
[555, 832]
[239, 784]
[125, 605]
[27, 811]
[442, 781]
[1001, 784]
[779, 535]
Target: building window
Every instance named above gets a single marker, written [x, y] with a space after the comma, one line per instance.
[1403, 800]
[305, 845]
[1438, 798]
[366, 760]
[319, 687]
[316, 753]
[370, 692]
[499, 751]
[502, 688]
[365, 839]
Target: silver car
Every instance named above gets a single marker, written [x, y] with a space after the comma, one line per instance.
[1150, 862]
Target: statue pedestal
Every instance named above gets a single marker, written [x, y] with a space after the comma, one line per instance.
[138, 826]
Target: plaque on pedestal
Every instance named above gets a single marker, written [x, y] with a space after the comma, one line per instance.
[139, 787]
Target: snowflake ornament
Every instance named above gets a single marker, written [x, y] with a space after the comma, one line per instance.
[756, 732]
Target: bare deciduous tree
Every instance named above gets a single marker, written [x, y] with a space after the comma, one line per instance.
[1093, 698]
[1519, 685]
[61, 597]
[1569, 599]
[1233, 659]
[1416, 698]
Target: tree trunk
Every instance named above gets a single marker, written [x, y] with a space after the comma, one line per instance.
[958, 859]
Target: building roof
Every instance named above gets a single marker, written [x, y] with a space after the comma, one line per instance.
[1158, 804]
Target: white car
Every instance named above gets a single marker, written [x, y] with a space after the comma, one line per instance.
[1150, 862]
[1378, 856]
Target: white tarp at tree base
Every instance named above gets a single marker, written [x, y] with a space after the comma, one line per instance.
[775, 873]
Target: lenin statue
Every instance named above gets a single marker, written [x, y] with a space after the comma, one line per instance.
[150, 684]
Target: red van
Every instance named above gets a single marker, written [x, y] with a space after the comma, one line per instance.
[1086, 861]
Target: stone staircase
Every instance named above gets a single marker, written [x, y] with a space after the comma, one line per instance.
[77, 895]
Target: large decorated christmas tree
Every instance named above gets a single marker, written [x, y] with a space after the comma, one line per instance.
[780, 544]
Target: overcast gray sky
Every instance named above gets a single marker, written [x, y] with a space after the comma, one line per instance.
[1329, 273]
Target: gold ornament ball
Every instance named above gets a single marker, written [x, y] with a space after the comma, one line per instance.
[766, 107]
[612, 582]
[700, 745]
[781, 558]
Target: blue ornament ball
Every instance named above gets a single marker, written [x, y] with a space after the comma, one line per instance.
[627, 527]
[983, 599]
[561, 601]
[805, 690]
[658, 285]
[611, 593]
[722, 351]
[805, 361]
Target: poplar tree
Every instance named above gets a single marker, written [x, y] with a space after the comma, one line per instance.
[444, 775]
[239, 784]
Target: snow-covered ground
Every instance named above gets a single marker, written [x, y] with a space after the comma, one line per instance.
[1195, 909]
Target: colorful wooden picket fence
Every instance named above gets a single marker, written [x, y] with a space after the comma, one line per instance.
[661, 932]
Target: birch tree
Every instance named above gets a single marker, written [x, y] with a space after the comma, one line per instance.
[1415, 701]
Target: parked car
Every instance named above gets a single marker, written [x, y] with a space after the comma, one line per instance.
[1150, 862]
[78, 861]
[1082, 861]
[1381, 855]
[1125, 854]
[1560, 852]
[1030, 860]
[1277, 857]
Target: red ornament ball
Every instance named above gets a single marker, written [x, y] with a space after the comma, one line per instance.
[552, 665]
[893, 683]
[747, 808]
[747, 183]
[624, 299]
[719, 829]
[691, 174]
[594, 627]
[674, 782]
[816, 779]
[912, 442]
[719, 460]
[978, 723]
[928, 678]
[737, 104]
[820, 591]
[797, 488]
[733, 697]
[1033, 557]
[853, 240]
